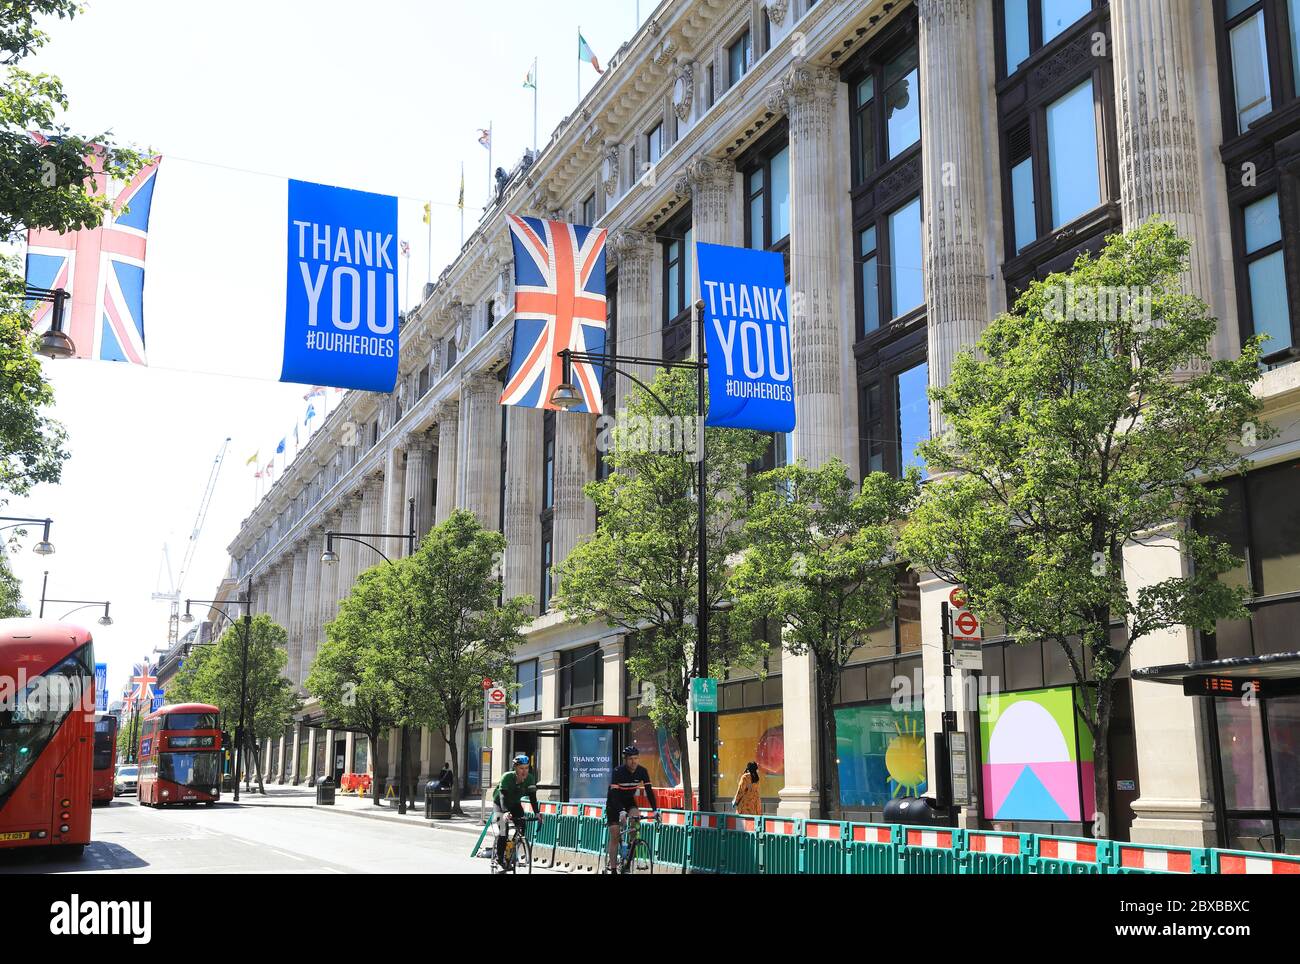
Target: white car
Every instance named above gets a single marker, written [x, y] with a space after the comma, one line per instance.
[128, 775]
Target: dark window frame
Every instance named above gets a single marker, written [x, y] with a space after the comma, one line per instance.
[1281, 75]
[744, 41]
[882, 369]
[1036, 45]
[759, 159]
[587, 656]
[676, 328]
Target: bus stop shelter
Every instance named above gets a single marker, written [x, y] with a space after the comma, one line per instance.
[586, 749]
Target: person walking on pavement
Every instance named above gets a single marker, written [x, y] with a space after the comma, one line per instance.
[747, 800]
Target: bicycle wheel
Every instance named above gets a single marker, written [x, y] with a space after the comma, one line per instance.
[524, 853]
[639, 859]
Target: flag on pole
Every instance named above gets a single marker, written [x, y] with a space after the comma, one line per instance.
[311, 413]
[252, 459]
[279, 449]
[531, 80]
[316, 392]
[428, 215]
[485, 137]
[559, 303]
[586, 54]
[460, 200]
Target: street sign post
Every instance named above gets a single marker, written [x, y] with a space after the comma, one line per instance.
[704, 695]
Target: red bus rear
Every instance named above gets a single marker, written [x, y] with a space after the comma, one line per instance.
[105, 758]
[47, 731]
[180, 755]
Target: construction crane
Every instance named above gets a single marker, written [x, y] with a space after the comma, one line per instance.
[175, 586]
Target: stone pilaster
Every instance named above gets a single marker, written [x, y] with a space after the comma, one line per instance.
[549, 668]
[396, 518]
[807, 94]
[311, 633]
[954, 157]
[575, 462]
[448, 438]
[297, 614]
[311, 756]
[1156, 79]
[372, 517]
[637, 327]
[349, 552]
[482, 495]
[327, 597]
[419, 480]
[709, 183]
[523, 526]
[284, 592]
[268, 589]
[611, 654]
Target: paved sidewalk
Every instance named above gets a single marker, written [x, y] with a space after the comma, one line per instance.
[358, 807]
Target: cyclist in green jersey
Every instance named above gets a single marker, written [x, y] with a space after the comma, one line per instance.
[508, 797]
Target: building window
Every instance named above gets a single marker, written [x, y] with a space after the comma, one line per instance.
[1259, 59]
[894, 412]
[886, 110]
[739, 57]
[767, 195]
[1266, 310]
[654, 143]
[548, 508]
[891, 274]
[544, 595]
[1028, 25]
[528, 695]
[708, 75]
[582, 678]
[589, 209]
[490, 314]
[678, 275]
[548, 474]
[1073, 179]
[609, 381]
[451, 353]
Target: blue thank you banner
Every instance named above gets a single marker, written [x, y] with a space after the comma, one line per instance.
[747, 336]
[101, 687]
[340, 324]
[157, 703]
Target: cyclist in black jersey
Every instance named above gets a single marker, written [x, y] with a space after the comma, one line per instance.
[626, 781]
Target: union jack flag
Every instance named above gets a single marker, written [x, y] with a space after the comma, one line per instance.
[559, 303]
[142, 683]
[102, 269]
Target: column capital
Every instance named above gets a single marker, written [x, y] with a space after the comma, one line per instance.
[805, 85]
[955, 12]
[704, 176]
[480, 384]
[447, 411]
[629, 245]
[417, 441]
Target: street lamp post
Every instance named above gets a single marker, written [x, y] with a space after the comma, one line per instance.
[55, 343]
[104, 620]
[567, 396]
[246, 627]
[42, 548]
[329, 557]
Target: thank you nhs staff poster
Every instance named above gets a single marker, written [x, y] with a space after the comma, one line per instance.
[747, 336]
[340, 325]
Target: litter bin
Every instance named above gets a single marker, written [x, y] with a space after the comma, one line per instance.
[914, 811]
[437, 803]
[227, 783]
[325, 793]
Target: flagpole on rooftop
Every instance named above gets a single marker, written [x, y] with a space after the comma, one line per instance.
[534, 108]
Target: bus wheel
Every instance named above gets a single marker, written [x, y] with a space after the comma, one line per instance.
[68, 851]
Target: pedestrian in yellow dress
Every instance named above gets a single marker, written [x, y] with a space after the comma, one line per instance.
[747, 799]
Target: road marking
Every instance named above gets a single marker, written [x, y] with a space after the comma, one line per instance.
[283, 854]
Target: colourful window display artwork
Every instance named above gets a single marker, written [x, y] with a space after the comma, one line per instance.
[881, 754]
[660, 754]
[757, 736]
[1037, 757]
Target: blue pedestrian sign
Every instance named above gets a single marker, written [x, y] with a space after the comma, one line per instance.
[747, 336]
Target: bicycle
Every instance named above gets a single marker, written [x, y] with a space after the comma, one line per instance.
[634, 853]
[518, 847]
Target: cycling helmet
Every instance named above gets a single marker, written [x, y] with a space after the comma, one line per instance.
[521, 759]
[630, 750]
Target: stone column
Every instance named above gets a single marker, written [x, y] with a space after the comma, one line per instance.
[311, 624]
[297, 738]
[448, 429]
[279, 760]
[1176, 806]
[297, 615]
[349, 747]
[709, 183]
[327, 596]
[372, 517]
[523, 526]
[808, 95]
[1156, 79]
[311, 756]
[575, 465]
[482, 494]
[954, 157]
[349, 552]
[284, 594]
[419, 480]
[549, 668]
[611, 651]
[637, 327]
[396, 518]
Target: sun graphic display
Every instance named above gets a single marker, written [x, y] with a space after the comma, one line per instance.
[881, 753]
[1037, 758]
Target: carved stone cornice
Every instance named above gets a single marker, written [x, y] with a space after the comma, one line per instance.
[776, 10]
[609, 168]
[628, 245]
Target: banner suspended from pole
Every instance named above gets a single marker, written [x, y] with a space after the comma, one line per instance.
[747, 336]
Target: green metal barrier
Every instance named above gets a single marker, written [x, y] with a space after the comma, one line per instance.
[872, 849]
[544, 834]
[1067, 855]
[780, 845]
[567, 833]
[928, 850]
[593, 836]
[672, 842]
[1130, 858]
[705, 854]
[738, 840]
[991, 852]
[825, 847]
[1252, 862]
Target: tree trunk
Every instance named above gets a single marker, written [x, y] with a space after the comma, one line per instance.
[374, 736]
[455, 769]
[688, 802]
[1101, 761]
[257, 760]
[829, 781]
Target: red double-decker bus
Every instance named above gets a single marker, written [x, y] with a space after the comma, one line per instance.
[47, 729]
[180, 755]
[105, 765]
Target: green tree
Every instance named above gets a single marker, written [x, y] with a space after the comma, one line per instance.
[639, 570]
[270, 701]
[11, 594]
[1084, 422]
[346, 676]
[448, 628]
[820, 559]
[43, 184]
